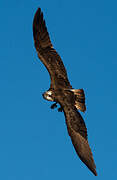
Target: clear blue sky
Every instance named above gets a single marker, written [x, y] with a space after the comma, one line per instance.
[34, 143]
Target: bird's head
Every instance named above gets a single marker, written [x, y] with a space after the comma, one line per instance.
[48, 95]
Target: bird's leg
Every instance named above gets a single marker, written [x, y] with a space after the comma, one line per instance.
[60, 109]
[53, 106]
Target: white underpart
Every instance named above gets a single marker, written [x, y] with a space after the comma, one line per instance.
[49, 98]
[48, 95]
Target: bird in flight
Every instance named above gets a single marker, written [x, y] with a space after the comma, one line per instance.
[61, 92]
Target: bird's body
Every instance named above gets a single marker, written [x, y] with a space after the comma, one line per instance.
[60, 91]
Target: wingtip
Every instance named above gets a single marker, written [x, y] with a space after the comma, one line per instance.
[38, 10]
[83, 150]
[95, 172]
[40, 33]
[37, 15]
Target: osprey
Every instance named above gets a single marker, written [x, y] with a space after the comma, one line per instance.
[60, 91]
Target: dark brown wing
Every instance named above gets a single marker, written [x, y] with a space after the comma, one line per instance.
[48, 54]
[77, 130]
[78, 133]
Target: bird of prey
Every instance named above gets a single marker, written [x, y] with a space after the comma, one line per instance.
[71, 100]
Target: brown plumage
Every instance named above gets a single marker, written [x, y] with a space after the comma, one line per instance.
[62, 92]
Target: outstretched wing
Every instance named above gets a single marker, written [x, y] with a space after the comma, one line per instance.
[48, 54]
[77, 131]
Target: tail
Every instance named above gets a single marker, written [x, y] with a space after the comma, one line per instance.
[79, 99]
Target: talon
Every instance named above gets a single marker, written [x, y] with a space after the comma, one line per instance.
[53, 106]
[60, 109]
